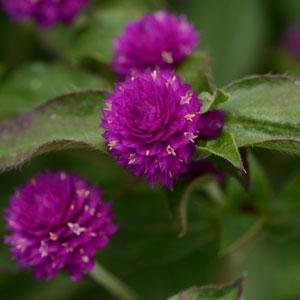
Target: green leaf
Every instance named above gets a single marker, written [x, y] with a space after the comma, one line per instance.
[178, 201]
[34, 83]
[196, 71]
[229, 292]
[264, 111]
[65, 122]
[210, 101]
[225, 147]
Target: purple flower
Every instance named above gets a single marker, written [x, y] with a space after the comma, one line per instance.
[204, 167]
[45, 12]
[291, 40]
[211, 124]
[150, 124]
[58, 221]
[158, 39]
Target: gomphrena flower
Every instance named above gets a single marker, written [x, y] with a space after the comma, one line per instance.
[58, 221]
[211, 124]
[204, 167]
[158, 39]
[45, 12]
[291, 40]
[150, 124]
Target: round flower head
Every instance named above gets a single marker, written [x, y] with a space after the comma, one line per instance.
[291, 40]
[58, 221]
[151, 124]
[159, 39]
[45, 12]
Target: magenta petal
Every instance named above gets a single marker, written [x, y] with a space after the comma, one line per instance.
[205, 167]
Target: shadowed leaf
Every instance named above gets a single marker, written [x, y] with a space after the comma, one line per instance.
[35, 83]
[228, 292]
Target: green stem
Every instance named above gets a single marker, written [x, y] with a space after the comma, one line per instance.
[214, 191]
[112, 283]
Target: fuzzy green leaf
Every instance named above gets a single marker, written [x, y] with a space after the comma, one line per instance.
[264, 111]
[210, 101]
[64, 122]
[225, 147]
[195, 70]
[35, 83]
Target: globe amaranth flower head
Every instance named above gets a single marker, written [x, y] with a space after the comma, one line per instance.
[291, 40]
[45, 12]
[150, 124]
[58, 221]
[158, 39]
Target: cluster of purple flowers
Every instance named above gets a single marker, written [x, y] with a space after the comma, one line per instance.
[153, 118]
[151, 122]
[45, 12]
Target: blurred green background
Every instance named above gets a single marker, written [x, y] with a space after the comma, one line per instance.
[242, 37]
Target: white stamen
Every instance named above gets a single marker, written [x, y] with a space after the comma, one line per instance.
[83, 193]
[154, 75]
[76, 228]
[159, 16]
[167, 57]
[90, 210]
[131, 159]
[53, 236]
[186, 98]
[190, 136]
[111, 144]
[85, 259]
[43, 249]
[189, 117]
[170, 150]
